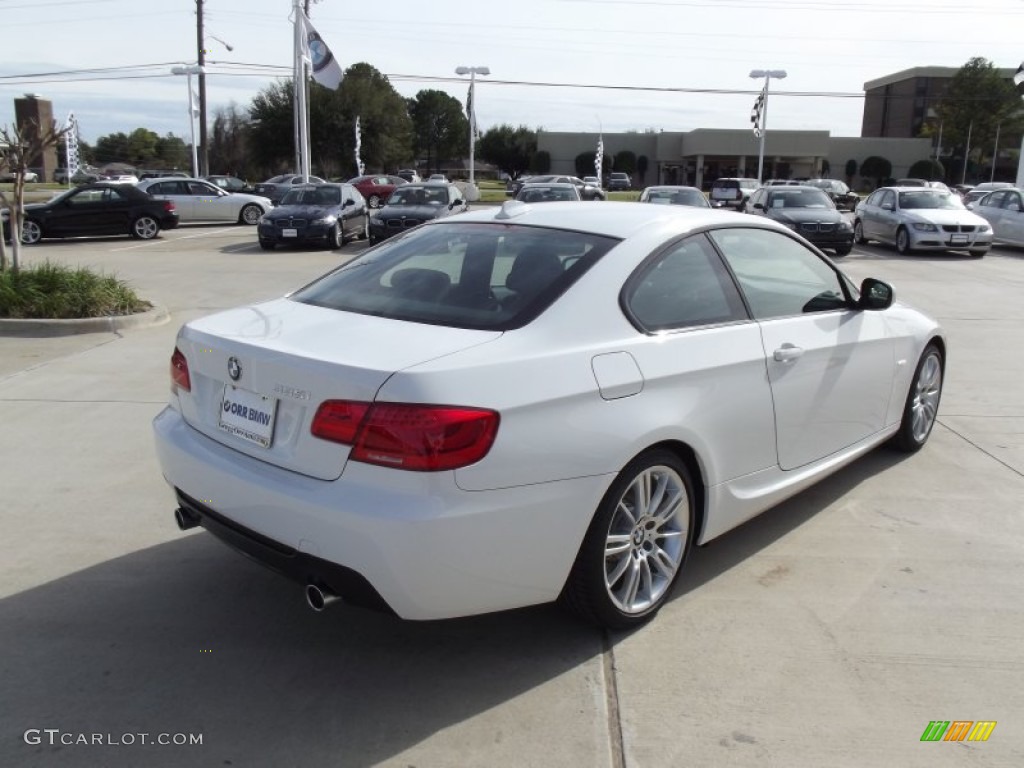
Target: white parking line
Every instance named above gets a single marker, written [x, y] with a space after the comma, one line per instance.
[183, 237]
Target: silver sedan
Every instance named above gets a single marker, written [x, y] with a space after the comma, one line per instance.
[1004, 211]
[199, 200]
[920, 219]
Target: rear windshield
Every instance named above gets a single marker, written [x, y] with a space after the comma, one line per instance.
[466, 275]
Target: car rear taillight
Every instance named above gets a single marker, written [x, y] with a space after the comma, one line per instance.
[179, 372]
[423, 438]
[169, 206]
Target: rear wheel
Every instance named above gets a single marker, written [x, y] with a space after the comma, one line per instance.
[903, 241]
[858, 233]
[250, 215]
[373, 201]
[145, 228]
[922, 405]
[636, 544]
[31, 232]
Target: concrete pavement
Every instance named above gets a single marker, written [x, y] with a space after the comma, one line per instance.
[829, 631]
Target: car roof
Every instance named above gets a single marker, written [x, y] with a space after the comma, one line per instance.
[613, 219]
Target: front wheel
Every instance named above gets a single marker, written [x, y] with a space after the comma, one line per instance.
[267, 245]
[844, 250]
[334, 238]
[636, 544]
[31, 232]
[903, 241]
[978, 252]
[145, 228]
[858, 233]
[250, 215]
[922, 404]
[373, 201]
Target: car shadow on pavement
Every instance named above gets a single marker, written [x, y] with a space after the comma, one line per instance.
[736, 546]
[188, 637]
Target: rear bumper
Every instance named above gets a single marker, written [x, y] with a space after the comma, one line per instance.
[411, 541]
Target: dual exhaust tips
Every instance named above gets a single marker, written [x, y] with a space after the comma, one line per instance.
[317, 597]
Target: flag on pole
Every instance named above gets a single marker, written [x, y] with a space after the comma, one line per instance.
[195, 100]
[755, 115]
[599, 158]
[471, 113]
[326, 69]
[360, 165]
[71, 158]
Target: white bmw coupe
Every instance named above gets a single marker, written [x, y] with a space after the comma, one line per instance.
[534, 403]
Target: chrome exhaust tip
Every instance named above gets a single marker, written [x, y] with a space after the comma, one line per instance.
[319, 598]
[185, 519]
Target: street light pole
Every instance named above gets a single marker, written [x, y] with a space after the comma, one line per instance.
[188, 72]
[767, 74]
[200, 62]
[472, 72]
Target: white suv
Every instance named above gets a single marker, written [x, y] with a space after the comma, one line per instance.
[732, 193]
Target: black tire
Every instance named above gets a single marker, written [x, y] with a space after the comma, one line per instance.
[145, 228]
[31, 232]
[642, 547]
[365, 234]
[844, 250]
[250, 215]
[858, 233]
[267, 245]
[903, 242]
[978, 252]
[334, 238]
[922, 404]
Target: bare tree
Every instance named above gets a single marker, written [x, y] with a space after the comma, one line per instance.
[19, 145]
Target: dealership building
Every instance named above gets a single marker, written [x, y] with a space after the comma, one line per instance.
[895, 109]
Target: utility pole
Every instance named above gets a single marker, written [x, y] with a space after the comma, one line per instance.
[204, 157]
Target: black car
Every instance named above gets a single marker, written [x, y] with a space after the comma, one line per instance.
[98, 209]
[275, 188]
[412, 204]
[844, 197]
[809, 212]
[619, 182]
[328, 214]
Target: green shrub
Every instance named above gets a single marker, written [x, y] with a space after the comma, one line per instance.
[57, 291]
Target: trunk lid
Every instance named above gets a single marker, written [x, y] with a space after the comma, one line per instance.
[259, 373]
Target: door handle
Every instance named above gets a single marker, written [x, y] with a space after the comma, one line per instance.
[787, 353]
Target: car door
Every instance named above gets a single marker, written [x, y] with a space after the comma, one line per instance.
[178, 193]
[94, 211]
[830, 365]
[1012, 218]
[210, 203]
[879, 216]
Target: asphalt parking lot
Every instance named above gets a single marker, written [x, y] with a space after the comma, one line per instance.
[829, 631]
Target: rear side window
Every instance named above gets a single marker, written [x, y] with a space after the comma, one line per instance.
[466, 275]
[687, 285]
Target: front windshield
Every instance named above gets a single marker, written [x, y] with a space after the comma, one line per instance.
[799, 198]
[312, 196]
[928, 199]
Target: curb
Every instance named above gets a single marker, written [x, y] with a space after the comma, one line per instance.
[112, 324]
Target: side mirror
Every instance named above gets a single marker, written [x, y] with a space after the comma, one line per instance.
[887, 206]
[758, 206]
[875, 294]
[348, 202]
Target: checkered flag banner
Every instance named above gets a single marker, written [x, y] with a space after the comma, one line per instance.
[599, 158]
[1018, 80]
[755, 115]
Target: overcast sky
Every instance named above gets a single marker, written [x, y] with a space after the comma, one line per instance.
[536, 50]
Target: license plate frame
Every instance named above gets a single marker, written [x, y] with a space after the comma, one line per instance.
[247, 415]
[960, 239]
[289, 233]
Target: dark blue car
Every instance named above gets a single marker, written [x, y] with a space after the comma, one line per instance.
[324, 214]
